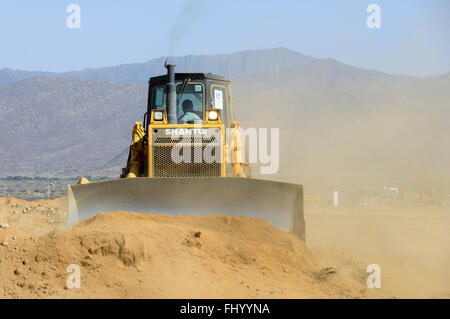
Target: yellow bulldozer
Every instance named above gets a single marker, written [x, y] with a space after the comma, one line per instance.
[186, 157]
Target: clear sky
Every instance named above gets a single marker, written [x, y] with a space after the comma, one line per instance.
[414, 37]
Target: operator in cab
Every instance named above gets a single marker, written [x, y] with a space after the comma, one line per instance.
[189, 115]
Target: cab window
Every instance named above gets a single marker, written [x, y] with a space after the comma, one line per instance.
[159, 98]
[189, 101]
[220, 101]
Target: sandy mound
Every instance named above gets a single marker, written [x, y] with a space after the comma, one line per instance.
[38, 217]
[161, 256]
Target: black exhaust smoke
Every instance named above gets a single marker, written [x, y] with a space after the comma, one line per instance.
[171, 99]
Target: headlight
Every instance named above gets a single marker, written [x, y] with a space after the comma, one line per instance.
[158, 116]
[212, 115]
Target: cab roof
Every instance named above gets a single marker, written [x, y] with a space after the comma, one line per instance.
[193, 76]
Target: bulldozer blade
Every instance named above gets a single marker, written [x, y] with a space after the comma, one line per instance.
[280, 203]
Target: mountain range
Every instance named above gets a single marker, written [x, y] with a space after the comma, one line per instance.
[231, 65]
[336, 121]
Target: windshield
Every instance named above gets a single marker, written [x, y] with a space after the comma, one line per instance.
[189, 100]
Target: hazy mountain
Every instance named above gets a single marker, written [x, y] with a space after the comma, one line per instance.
[57, 125]
[231, 65]
[335, 121]
[8, 76]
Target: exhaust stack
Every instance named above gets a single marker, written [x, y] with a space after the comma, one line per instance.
[171, 99]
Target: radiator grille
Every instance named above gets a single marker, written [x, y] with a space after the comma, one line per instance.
[189, 145]
[192, 166]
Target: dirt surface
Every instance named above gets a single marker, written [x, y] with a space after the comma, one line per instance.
[129, 255]
[410, 244]
[123, 254]
[37, 217]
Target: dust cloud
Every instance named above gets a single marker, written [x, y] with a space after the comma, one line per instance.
[358, 140]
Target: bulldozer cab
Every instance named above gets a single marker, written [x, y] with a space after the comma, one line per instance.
[195, 94]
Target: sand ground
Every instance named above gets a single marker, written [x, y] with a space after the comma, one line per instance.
[410, 244]
[123, 255]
